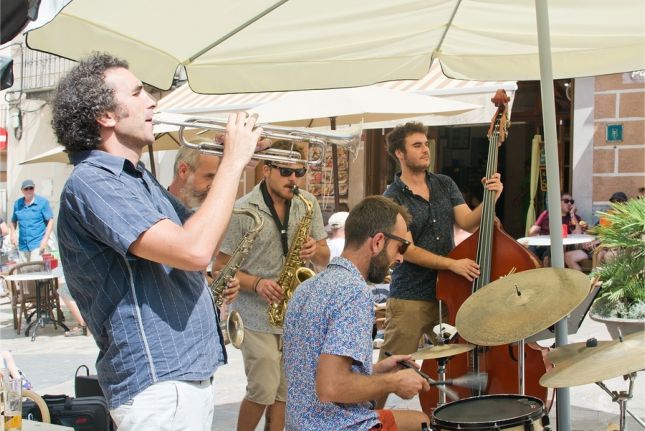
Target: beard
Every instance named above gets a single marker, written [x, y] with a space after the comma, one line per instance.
[417, 166]
[378, 269]
[191, 197]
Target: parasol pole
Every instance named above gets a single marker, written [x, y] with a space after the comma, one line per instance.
[563, 402]
[334, 167]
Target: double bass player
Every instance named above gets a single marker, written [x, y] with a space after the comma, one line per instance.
[435, 204]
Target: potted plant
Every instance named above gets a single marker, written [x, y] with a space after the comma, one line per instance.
[621, 273]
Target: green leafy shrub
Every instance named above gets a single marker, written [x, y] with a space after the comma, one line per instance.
[622, 275]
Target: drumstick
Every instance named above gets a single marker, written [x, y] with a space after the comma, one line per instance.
[440, 385]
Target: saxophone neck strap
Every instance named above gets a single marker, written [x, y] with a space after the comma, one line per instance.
[282, 227]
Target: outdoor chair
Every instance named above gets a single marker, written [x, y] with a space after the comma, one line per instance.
[23, 295]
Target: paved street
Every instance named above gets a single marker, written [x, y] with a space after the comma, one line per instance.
[50, 363]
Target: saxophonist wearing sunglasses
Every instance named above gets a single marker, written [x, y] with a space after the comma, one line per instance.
[285, 218]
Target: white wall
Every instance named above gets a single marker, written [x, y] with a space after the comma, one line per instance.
[582, 151]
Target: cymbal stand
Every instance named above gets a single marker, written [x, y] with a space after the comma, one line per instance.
[621, 397]
[441, 362]
[441, 376]
[521, 373]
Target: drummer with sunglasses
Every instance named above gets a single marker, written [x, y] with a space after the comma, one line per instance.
[328, 355]
[262, 347]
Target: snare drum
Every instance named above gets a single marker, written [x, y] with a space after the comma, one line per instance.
[507, 412]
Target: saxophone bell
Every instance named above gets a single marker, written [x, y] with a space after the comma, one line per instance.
[234, 327]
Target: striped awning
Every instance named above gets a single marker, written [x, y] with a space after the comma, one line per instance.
[184, 101]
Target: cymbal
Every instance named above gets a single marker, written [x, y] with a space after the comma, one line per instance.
[517, 306]
[568, 351]
[442, 351]
[595, 364]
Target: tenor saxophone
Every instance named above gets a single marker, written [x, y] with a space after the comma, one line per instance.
[292, 273]
[234, 324]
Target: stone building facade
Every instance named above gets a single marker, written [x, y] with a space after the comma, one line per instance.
[618, 162]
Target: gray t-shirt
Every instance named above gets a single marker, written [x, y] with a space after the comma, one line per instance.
[265, 258]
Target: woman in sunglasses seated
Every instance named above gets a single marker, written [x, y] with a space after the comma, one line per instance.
[572, 220]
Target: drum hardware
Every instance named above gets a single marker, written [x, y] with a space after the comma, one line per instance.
[621, 397]
[595, 362]
[441, 386]
[444, 331]
[441, 375]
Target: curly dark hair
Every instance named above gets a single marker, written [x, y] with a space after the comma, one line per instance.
[372, 215]
[81, 98]
[396, 138]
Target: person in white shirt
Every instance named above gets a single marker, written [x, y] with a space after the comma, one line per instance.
[336, 238]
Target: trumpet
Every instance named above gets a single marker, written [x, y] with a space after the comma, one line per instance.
[317, 141]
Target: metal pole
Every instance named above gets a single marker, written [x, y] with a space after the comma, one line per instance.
[563, 402]
[334, 164]
[521, 372]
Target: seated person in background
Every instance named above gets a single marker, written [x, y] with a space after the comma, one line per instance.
[569, 217]
[336, 238]
[573, 257]
[328, 327]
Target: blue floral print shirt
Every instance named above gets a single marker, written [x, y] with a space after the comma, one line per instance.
[330, 313]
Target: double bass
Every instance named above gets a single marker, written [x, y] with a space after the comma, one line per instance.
[497, 255]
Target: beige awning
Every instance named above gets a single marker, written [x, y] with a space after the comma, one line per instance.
[184, 101]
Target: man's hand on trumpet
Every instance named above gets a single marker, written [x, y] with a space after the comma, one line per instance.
[261, 145]
[242, 137]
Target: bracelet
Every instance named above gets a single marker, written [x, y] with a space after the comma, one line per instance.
[255, 285]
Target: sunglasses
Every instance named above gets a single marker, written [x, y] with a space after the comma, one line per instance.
[287, 172]
[568, 201]
[404, 242]
[28, 188]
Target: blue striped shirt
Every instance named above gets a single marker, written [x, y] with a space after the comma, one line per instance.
[150, 321]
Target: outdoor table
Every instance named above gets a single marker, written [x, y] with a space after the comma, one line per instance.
[42, 279]
[545, 240]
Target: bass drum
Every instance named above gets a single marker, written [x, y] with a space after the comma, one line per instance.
[499, 412]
